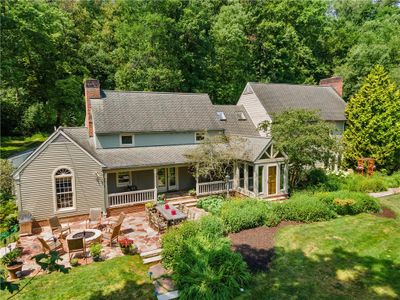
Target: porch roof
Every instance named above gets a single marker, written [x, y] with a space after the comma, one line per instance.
[119, 158]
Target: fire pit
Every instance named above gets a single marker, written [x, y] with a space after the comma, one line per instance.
[90, 235]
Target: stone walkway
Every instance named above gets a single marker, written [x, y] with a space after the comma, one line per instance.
[389, 192]
[135, 226]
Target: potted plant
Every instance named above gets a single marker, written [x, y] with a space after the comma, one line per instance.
[161, 198]
[12, 262]
[149, 206]
[127, 246]
[95, 251]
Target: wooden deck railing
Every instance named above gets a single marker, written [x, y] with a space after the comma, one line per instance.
[214, 187]
[135, 197]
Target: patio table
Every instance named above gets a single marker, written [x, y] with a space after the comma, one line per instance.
[168, 216]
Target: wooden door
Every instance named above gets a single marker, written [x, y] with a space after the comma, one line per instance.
[272, 180]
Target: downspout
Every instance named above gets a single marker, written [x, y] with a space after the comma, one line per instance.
[105, 183]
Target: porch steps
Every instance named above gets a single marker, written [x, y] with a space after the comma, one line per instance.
[152, 259]
[187, 201]
[150, 253]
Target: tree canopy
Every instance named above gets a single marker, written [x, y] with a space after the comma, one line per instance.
[215, 46]
[373, 115]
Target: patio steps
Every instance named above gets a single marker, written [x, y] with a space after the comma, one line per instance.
[186, 200]
[151, 256]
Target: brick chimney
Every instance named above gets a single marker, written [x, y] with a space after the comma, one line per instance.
[335, 82]
[92, 91]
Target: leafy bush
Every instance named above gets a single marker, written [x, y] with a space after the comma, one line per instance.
[304, 208]
[11, 257]
[211, 204]
[95, 251]
[74, 262]
[358, 183]
[204, 265]
[8, 213]
[349, 203]
[393, 181]
[247, 213]
[6, 181]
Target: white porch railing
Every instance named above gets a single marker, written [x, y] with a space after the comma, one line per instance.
[214, 187]
[135, 197]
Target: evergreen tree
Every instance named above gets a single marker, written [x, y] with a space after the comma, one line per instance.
[373, 116]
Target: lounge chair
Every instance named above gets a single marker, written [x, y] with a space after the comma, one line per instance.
[120, 220]
[56, 226]
[76, 245]
[94, 218]
[113, 234]
[50, 245]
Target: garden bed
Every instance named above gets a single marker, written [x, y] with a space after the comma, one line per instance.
[257, 245]
[386, 213]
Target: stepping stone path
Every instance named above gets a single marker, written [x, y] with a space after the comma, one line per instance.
[163, 285]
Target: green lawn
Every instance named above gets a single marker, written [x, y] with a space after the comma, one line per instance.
[392, 202]
[12, 145]
[119, 278]
[353, 257]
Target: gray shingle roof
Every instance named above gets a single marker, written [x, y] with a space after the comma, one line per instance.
[234, 126]
[152, 112]
[277, 97]
[150, 156]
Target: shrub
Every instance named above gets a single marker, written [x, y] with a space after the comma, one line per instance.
[304, 208]
[211, 204]
[393, 181]
[8, 213]
[95, 251]
[349, 203]
[74, 262]
[246, 213]
[203, 264]
[11, 257]
[358, 183]
[6, 181]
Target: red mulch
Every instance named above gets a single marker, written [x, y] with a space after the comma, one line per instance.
[257, 245]
[386, 213]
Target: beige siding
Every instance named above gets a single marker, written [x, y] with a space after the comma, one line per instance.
[254, 108]
[36, 181]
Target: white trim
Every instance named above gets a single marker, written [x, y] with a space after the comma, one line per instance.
[124, 184]
[126, 145]
[53, 179]
[43, 146]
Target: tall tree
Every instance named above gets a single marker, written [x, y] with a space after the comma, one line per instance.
[304, 137]
[373, 116]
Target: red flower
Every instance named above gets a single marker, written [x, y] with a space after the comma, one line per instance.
[125, 242]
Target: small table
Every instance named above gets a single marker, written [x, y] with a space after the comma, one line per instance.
[166, 213]
[90, 235]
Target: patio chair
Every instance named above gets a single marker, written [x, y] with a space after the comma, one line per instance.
[75, 246]
[56, 226]
[50, 245]
[94, 218]
[120, 220]
[114, 234]
[159, 223]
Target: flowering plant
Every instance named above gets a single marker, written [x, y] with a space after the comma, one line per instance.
[126, 245]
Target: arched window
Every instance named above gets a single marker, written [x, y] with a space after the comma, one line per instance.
[64, 188]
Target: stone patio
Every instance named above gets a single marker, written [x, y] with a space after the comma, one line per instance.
[135, 226]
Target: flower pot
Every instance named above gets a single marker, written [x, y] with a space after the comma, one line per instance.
[13, 269]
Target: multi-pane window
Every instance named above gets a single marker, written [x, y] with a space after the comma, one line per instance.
[64, 188]
[200, 136]
[126, 140]
[123, 179]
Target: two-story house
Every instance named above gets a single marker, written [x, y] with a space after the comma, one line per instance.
[133, 147]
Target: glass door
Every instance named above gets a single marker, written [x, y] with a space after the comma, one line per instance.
[161, 180]
[271, 180]
[172, 179]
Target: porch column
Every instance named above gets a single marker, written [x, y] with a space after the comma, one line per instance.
[255, 180]
[236, 175]
[197, 180]
[286, 178]
[246, 177]
[155, 184]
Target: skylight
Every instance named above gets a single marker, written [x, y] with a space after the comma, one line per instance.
[221, 116]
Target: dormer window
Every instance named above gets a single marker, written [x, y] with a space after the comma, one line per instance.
[126, 140]
[240, 115]
[221, 116]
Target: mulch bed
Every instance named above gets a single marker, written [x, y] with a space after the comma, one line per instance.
[386, 213]
[257, 245]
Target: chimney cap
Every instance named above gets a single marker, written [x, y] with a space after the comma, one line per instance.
[92, 83]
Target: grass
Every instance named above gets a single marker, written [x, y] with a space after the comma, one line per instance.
[352, 257]
[119, 278]
[392, 202]
[13, 145]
